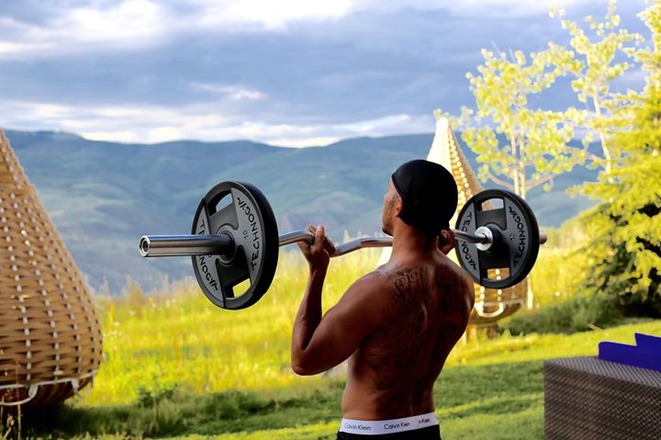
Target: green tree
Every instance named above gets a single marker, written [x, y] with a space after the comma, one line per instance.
[520, 147]
[626, 223]
[599, 58]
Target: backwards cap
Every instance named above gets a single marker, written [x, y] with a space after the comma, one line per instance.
[429, 195]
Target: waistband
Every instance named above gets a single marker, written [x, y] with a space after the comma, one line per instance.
[380, 427]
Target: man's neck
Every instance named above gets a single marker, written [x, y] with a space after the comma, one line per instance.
[407, 240]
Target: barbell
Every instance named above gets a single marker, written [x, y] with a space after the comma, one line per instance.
[235, 239]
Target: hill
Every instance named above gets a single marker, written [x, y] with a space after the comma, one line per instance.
[102, 196]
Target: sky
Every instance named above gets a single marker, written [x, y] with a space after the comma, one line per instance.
[292, 73]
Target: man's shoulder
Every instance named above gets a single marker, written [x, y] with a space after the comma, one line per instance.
[455, 274]
[458, 288]
[378, 278]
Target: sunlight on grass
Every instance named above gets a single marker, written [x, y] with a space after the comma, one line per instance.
[178, 338]
[539, 347]
[176, 364]
[308, 432]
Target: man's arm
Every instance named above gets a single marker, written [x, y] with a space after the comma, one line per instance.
[307, 319]
[322, 343]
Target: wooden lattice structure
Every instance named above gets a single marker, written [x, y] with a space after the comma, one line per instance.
[50, 337]
[491, 305]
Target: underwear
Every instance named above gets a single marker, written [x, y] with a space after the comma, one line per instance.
[408, 427]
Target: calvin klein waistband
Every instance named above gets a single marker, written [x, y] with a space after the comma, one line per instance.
[380, 427]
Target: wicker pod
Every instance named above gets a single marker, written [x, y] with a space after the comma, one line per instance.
[50, 337]
[491, 305]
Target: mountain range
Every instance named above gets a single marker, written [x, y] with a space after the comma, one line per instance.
[103, 196]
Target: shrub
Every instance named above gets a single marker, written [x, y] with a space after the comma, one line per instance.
[574, 315]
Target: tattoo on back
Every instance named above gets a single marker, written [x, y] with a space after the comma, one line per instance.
[407, 311]
[409, 285]
[425, 314]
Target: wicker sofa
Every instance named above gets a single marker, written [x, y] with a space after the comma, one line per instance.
[604, 397]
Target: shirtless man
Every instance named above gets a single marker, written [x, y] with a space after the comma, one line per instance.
[398, 324]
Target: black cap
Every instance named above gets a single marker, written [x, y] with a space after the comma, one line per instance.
[429, 195]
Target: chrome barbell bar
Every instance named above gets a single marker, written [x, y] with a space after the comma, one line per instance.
[223, 244]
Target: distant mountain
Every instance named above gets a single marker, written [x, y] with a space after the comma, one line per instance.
[102, 196]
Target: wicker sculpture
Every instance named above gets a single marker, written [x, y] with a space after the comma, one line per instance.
[491, 305]
[50, 337]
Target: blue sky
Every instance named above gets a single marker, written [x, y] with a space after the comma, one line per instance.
[287, 72]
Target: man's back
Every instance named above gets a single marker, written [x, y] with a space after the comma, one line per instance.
[398, 324]
[423, 305]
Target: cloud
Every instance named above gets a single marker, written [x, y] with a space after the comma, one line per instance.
[46, 31]
[207, 122]
[138, 24]
[291, 72]
[126, 25]
[265, 14]
[510, 8]
[230, 92]
[464, 8]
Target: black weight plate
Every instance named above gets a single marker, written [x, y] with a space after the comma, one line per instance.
[241, 211]
[516, 238]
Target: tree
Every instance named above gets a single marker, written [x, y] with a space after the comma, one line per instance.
[626, 224]
[537, 144]
[536, 141]
[597, 61]
[522, 147]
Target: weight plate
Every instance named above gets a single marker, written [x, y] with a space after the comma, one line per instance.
[241, 211]
[516, 238]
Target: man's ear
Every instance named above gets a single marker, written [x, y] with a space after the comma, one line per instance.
[398, 206]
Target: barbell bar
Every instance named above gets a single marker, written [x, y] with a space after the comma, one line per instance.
[192, 245]
[234, 238]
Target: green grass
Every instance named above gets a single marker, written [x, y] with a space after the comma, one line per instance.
[153, 342]
[177, 366]
[490, 389]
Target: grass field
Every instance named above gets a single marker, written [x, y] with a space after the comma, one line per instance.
[177, 366]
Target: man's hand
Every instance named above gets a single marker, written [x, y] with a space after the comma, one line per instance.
[447, 241]
[319, 252]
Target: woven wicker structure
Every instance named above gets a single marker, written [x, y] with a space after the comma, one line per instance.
[50, 337]
[490, 304]
[586, 398]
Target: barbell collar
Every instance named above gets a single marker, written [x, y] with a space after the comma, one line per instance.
[479, 237]
[490, 235]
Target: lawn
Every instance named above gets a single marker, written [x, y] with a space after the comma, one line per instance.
[177, 366]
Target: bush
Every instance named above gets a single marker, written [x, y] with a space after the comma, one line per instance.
[574, 315]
